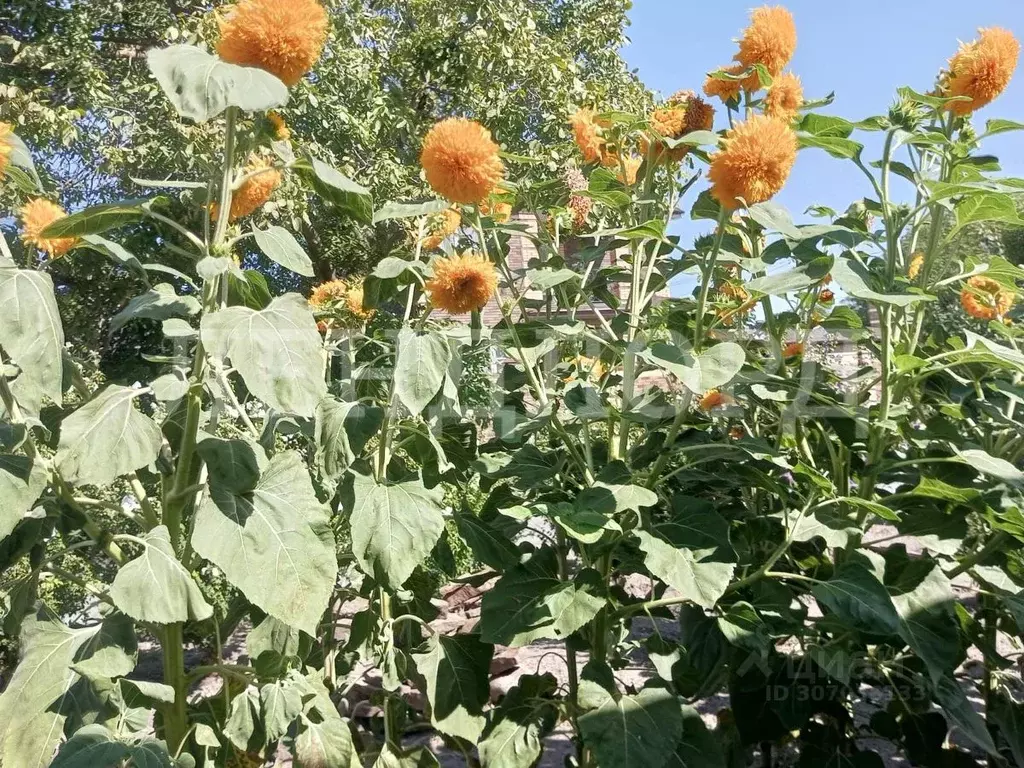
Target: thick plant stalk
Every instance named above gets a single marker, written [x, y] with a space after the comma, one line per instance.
[180, 492]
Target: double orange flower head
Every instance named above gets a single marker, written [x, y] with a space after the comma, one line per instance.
[759, 153]
[462, 163]
[981, 70]
[769, 40]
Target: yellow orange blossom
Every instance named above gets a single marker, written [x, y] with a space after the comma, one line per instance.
[591, 366]
[354, 303]
[736, 294]
[462, 283]
[683, 113]
[793, 349]
[461, 160]
[986, 299]
[327, 293]
[770, 40]
[37, 215]
[587, 134]
[726, 90]
[500, 212]
[714, 399]
[6, 147]
[755, 163]
[785, 97]
[440, 227]
[261, 179]
[281, 130]
[981, 69]
[282, 37]
[628, 169]
[915, 265]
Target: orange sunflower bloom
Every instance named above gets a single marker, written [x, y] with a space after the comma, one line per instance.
[463, 283]
[729, 90]
[461, 160]
[440, 227]
[684, 112]
[714, 399]
[785, 97]
[283, 37]
[916, 263]
[587, 135]
[327, 293]
[354, 304]
[260, 182]
[500, 212]
[792, 349]
[279, 126]
[758, 157]
[6, 147]
[986, 299]
[981, 69]
[628, 170]
[37, 215]
[770, 40]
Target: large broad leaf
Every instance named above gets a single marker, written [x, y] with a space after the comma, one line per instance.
[29, 727]
[691, 553]
[201, 86]
[277, 351]
[631, 731]
[21, 157]
[119, 254]
[859, 599]
[93, 746]
[1008, 716]
[527, 714]
[790, 280]
[32, 744]
[323, 739]
[155, 587]
[992, 465]
[274, 543]
[32, 335]
[21, 482]
[281, 246]
[699, 373]
[923, 598]
[342, 431]
[106, 438]
[457, 673]
[108, 650]
[394, 527]
[158, 303]
[529, 603]
[489, 544]
[397, 210]
[423, 359]
[346, 195]
[281, 704]
[854, 279]
[698, 747]
[98, 218]
[961, 713]
[985, 206]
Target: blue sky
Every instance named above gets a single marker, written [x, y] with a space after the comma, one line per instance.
[863, 50]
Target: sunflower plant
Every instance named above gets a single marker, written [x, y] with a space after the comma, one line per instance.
[755, 491]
